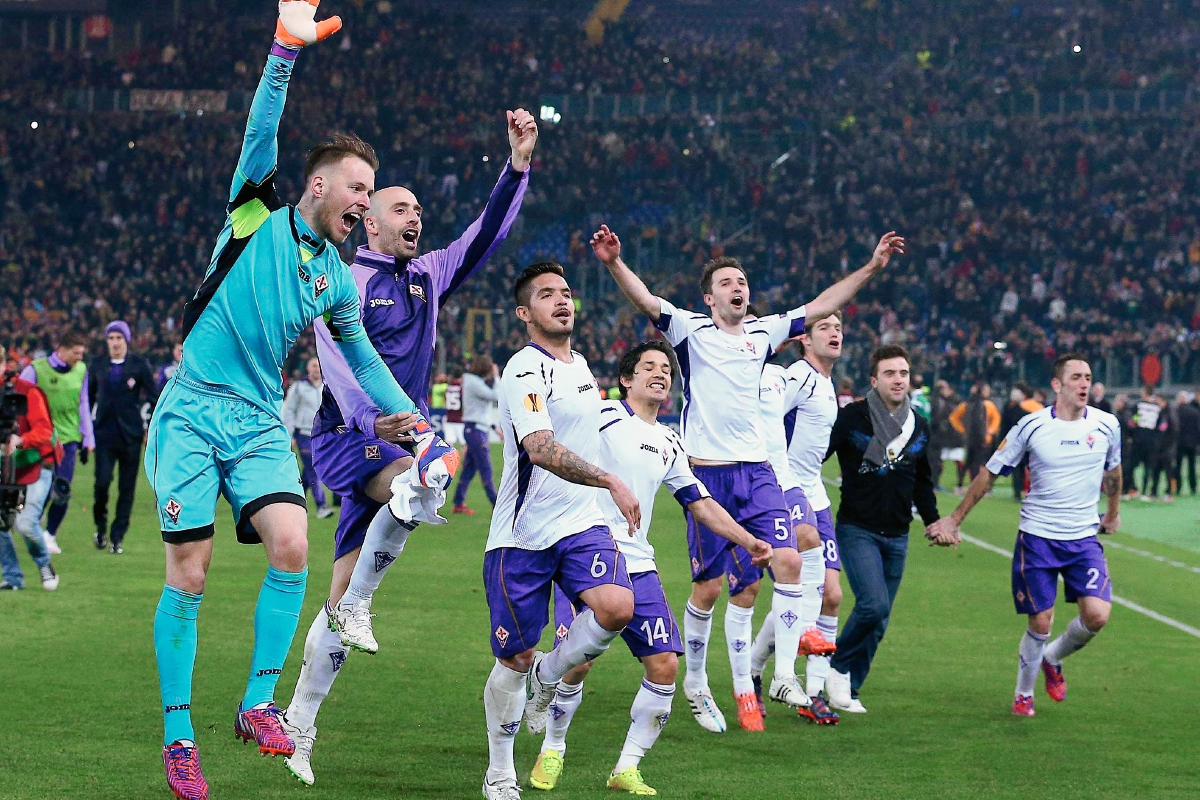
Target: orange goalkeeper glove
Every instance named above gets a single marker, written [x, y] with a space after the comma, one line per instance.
[297, 26]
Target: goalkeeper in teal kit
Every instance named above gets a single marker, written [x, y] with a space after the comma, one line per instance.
[218, 426]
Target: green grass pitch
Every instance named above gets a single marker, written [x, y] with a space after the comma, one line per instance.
[79, 708]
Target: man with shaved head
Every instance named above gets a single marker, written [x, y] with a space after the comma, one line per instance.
[353, 446]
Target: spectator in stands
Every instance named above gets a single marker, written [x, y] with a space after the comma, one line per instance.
[118, 386]
[300, 407]
[1188, 415]
[62, 375]
[978, 420]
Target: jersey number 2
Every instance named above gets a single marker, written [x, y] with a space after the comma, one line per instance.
[1093, 578]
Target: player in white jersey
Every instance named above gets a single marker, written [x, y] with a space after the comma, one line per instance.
[547, 527]
[780, 391]
[721, 361]
[1073, 451]
[646, 454]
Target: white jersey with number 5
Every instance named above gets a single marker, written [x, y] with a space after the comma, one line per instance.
[534, 507]
[645, 457]
[811, 410]
[721, 374]
[772, 394]
[1067, 462]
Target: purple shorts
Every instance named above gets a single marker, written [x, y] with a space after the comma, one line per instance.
[652, 629]
[751, 495]
[828, 538]
[346, 460]
[518, 583]
[1037, 563]
[357, 512]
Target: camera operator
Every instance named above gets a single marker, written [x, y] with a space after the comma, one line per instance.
[31, 453]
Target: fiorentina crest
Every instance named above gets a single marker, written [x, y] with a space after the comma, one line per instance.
[382, 560]
[338, 658]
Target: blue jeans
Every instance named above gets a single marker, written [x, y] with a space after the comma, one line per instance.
[873, 564]
[29, 525]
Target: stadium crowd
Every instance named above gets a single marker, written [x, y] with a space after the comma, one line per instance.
[1042, 235]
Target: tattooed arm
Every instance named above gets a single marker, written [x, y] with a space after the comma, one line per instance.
[551, 456]
[1111, 486]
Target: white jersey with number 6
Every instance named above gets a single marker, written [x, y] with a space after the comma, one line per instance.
[721, 374]
[645, 457]
[535, 508]
[1067, 462]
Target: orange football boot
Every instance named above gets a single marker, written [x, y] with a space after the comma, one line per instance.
[749, 717]
[814, 643]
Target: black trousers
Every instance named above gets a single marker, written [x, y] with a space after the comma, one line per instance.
[1186, 455]
[127, 457]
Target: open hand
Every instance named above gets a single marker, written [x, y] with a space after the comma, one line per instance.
[890, 244]
[606, 245]
[396, 427]
[522, 136]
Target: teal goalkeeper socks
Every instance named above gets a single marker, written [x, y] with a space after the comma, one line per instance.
[175, 649]
[275, 621]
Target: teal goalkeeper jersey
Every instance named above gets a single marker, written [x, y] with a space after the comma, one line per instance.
[270, 277]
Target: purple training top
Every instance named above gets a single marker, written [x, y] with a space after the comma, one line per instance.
[400, 305]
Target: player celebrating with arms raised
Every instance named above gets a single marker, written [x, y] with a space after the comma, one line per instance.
[645, 454]
[1074, 451]
[354, 444]
[721, 360]
[218, 427]
[547, 527]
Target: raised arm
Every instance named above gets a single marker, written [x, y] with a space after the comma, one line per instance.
[840, 293]
[607, 247]
[295, 30]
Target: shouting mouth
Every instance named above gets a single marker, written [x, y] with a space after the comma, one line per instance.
[349, 220]
[738, 301]
[563, 315]
[410, 236]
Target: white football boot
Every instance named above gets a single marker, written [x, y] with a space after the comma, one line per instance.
[353, 626]
[705, 709]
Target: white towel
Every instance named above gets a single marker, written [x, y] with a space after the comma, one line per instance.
[413, 502]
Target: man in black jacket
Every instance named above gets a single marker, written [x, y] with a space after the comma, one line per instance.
[1188, 415]
[881, 447]
[117, 387]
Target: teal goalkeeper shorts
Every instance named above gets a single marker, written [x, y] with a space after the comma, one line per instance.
[203, 440]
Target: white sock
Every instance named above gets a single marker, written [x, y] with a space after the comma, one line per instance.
[1029, 655]
[562, 710]
[812, 581]
[818, 666]
[503, 705]
[697, 628]
[739, 629]
[764, 645]
[650, 712]
[586, 640]
[385, 539]
[1071, 641]
[324, 655]
[786, 602]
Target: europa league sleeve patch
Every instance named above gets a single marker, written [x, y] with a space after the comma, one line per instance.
[534, 403]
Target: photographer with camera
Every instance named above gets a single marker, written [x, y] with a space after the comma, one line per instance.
[30, 451]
